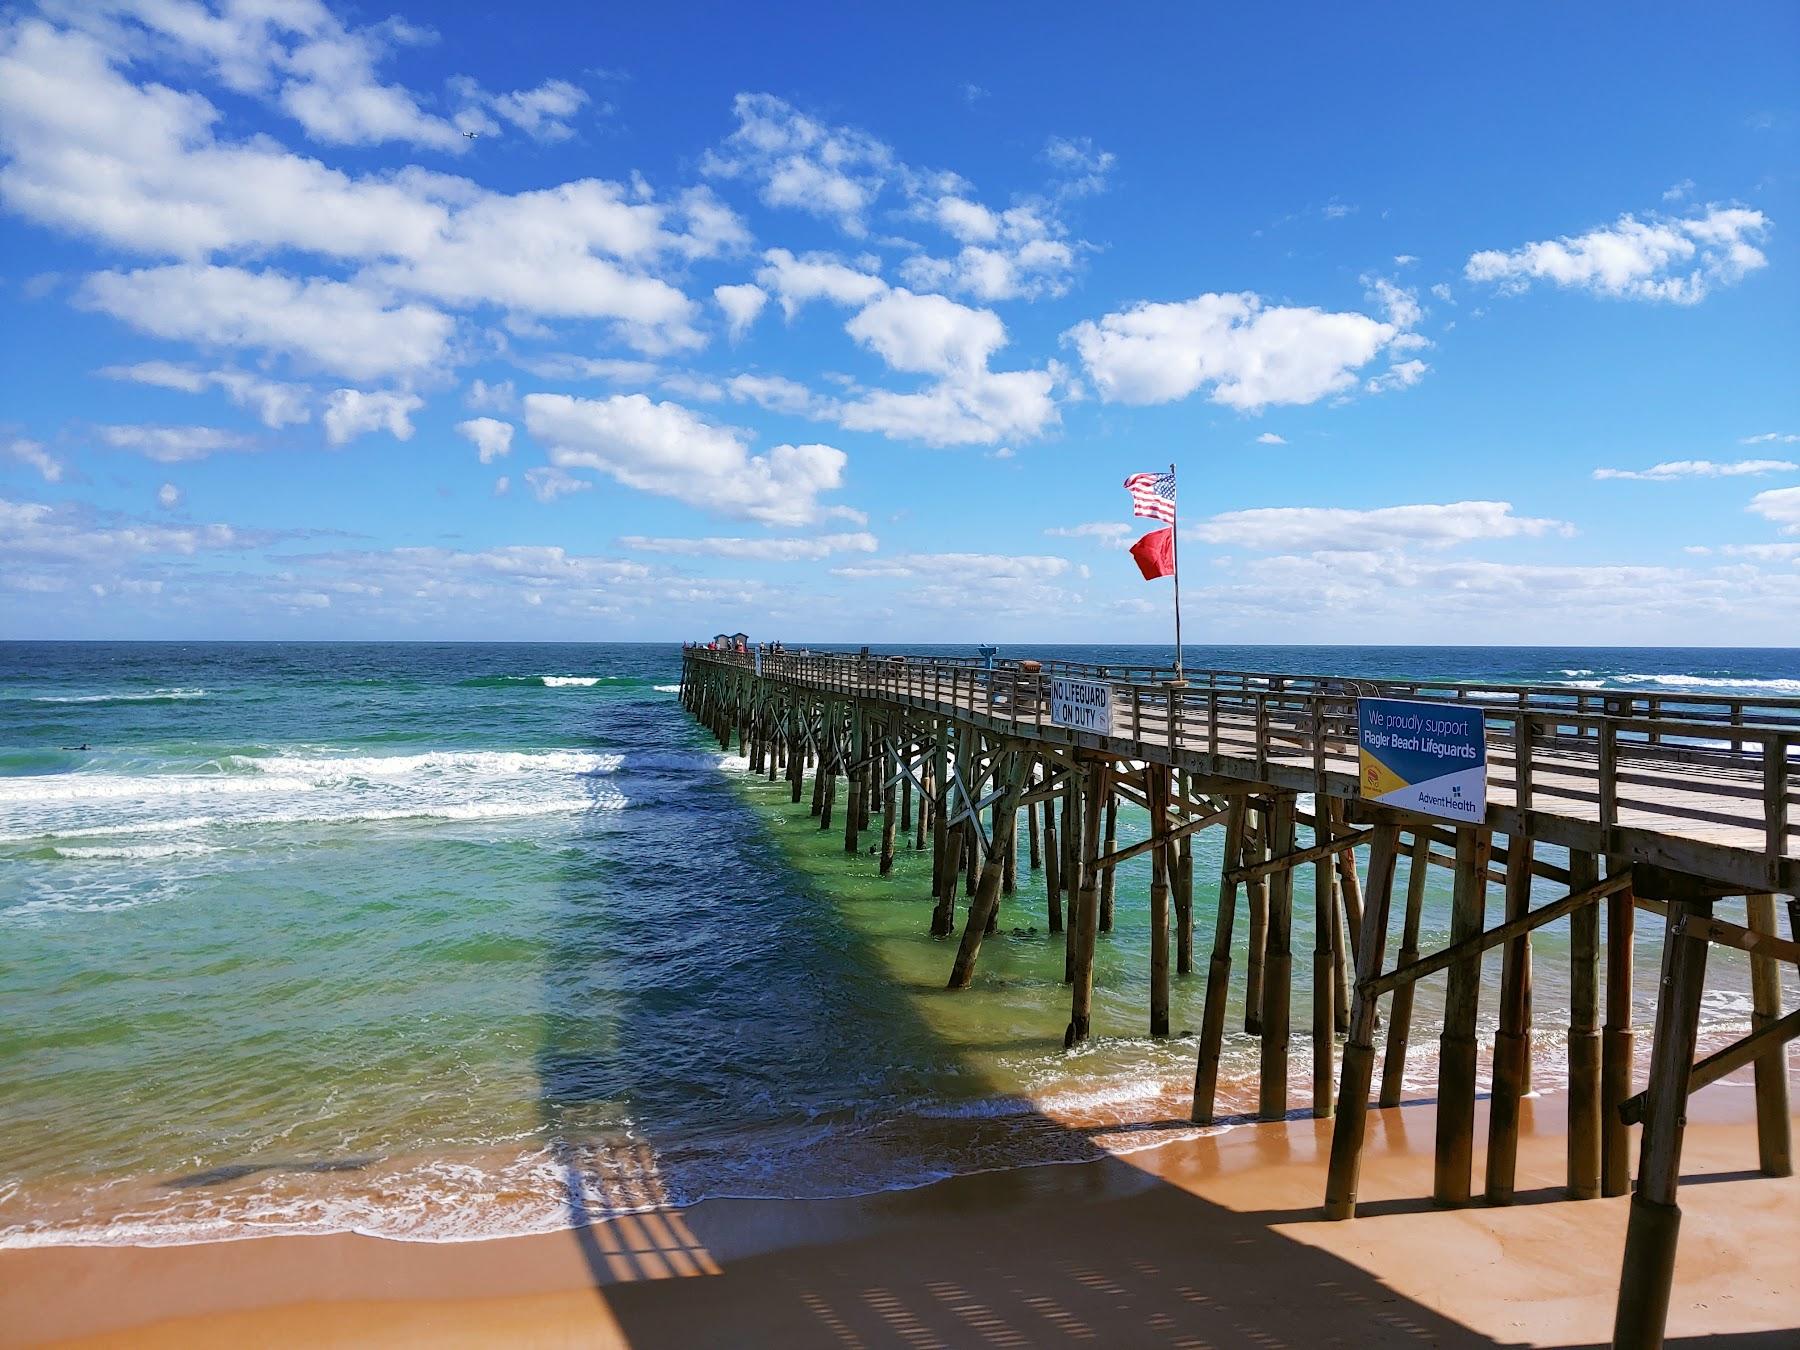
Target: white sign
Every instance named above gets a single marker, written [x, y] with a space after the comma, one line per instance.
[1084, 705]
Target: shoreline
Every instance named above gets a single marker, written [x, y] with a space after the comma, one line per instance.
[1217, 1237]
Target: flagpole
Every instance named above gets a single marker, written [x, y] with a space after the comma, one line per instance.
[1175, 552]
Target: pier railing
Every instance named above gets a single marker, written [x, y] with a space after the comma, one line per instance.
[1717, 778]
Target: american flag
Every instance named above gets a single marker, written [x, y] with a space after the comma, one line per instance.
[1152, 495]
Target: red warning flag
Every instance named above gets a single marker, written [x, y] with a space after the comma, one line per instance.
[1155, 554]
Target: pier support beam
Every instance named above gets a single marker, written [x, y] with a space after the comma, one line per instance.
[1258, 893]
[1648, 1272]
[1584, 1034]
[1774, 1137]
[987, 893]
[1455, 1161]
[1218, 971]
[1512, 1042]
[1324, 1011]
[1086, 927]
[1359, 1054]
[1393, 1066]
[1158, 781]
[1619, 1045]
[1278, 966]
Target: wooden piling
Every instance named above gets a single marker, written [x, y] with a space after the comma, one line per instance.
[1584, 1034]
[1359, 1053]
[1052, 867]
[1324, 1012]
[889, 821]
[1087, 926]
[1456, 1047]
[1257, 892]
[854, 774]
[987, 894]
[1218, 971]
[1512, 1042]
[1107, 878]
[1618, 1046]
[1033, 842]
[1340, 980]
[1073, 829]
[1158, 782]
[1278, 966]
[1648, 1271]
[1774, 1139]
[1393, 1066]
[1184, 906]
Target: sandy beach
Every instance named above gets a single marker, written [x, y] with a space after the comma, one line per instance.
[1213, 1241]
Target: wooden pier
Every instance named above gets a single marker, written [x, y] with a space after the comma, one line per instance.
[1664, 804]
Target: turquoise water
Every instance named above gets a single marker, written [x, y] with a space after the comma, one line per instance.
[453, 941]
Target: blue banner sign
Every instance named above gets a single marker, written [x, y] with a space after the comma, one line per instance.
[1425, 757]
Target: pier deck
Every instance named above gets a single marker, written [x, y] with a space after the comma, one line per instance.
[1664, 803]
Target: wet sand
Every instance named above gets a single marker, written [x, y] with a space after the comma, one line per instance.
[1214, 1241]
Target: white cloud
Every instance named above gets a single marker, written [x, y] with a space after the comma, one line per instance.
[1306, 528]
[144, 168]
[542, 113]
[1081, 167]
[276, 403]
[1781, 506]
[502, 485]
[497, 397]
[1699, 468]
[766, 550]
[350, 413]
[1679, 190]
[331, 325]
[173, 445]
[667, 449]
[816, 276]
[549, 483]
[775, 393]
[33, 454]
[799, 162]
[1761, 552]
[491, 437]
[981, 407]
[1771, 438]
[1007, 255]
[1247, 354]
[1660, 258]
[963, 567]
[1400, 375]
[1400, 304]
[168, 496]
[1109, 533]
[33, 532]
[927, 333]
[565, 366]
[1270, 438]
[1441, 599]
[741, 303]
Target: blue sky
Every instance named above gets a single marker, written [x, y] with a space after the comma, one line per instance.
[846, 323]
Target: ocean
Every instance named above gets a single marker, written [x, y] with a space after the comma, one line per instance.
[451, 941]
